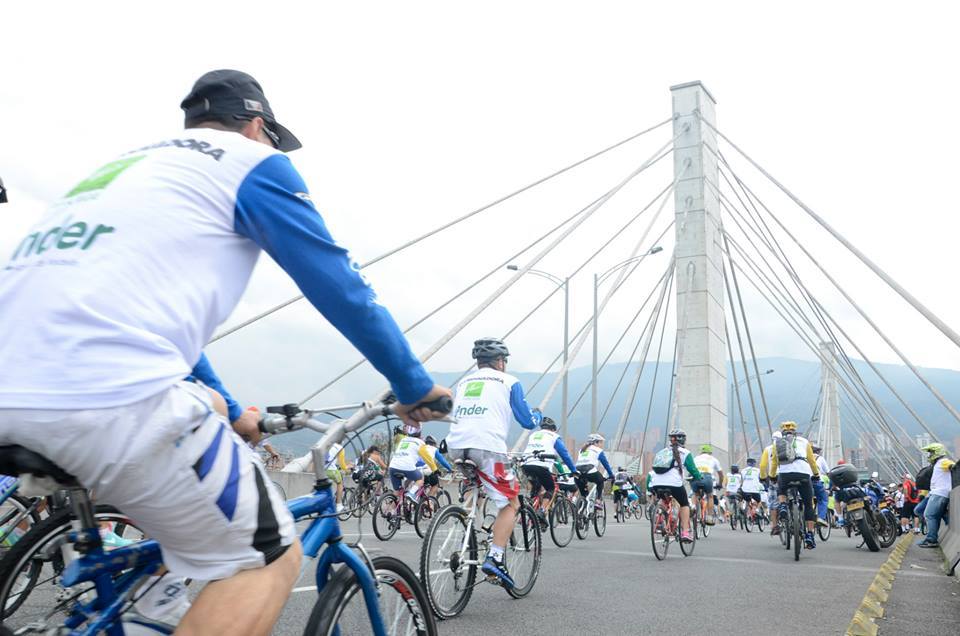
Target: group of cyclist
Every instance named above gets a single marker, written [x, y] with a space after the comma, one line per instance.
[132, 270]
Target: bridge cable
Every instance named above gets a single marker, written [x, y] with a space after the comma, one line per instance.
[929, 315]
[804, 338]
[649, 326]
[628, 405]
[653, 386]
[855, 378]
[448, 225]
[819, 309]
[743, 357]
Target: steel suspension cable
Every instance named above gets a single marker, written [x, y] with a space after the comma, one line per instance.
[653, 386]
[810, 344]
[449, 224]
[628, 405]
[936, 393]
[916, 304]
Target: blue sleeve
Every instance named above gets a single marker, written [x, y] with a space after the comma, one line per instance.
[274, 211]
[561, 449]
[606, 464]
[203, 371]
[441, 460]
[521, 410]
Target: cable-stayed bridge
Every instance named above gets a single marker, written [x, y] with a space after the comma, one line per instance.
[721, 235]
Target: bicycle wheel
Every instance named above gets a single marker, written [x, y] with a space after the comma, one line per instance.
[600, 519]
[659, 537]
[562, 517]
[795, 524]
[386, 516]
[349, 501]
[582, 520]
[447, 580]
[443, 497]
[30, 571]
[758, 519]
[649, 510]
[426, 509]
[687, 548]
[704, 528]
[524, 552]
[824, 531]
[745, 522]
[17, 515]
[341, 608]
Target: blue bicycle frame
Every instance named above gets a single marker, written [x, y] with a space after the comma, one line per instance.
[143, 559]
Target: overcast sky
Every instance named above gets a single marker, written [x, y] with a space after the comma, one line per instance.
[414, 113]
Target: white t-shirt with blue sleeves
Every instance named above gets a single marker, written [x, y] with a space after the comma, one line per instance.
[484, 404]
[111, 296]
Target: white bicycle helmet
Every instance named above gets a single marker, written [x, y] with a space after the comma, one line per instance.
[594, 437]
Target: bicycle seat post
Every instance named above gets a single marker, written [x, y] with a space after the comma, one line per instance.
[89, 534]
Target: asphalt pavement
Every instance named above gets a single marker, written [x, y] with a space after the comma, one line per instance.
[735, 583]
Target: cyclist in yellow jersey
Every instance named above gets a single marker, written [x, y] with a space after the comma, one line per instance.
[793, 463]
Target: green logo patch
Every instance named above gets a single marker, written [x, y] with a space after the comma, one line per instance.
[102, 177]
[474, 389]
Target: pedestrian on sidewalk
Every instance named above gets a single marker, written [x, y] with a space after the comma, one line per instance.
[910, 500]
[940, 486]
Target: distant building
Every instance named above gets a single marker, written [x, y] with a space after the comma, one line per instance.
[922, 440]
[856, 457]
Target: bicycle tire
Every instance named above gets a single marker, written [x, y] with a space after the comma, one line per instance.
[824, 531]
[444, 498]
[795, 525]
[386, 516]
[458, 516]
[23, 556]
[582, 521]
[426, 509]
[22, 505]
[360, 501]
[562, 522]
[687, 548]
[348, 501]
[392, 575]
[745, 521]
[659, 537]
[600, 519]
[758, 519]
[526, 539]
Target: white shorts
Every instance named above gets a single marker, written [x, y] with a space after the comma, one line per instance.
[177, 469]
[499, 482]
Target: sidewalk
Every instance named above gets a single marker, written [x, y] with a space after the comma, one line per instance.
[923, 600]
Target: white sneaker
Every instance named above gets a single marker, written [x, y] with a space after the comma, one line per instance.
[916, 531]
[339, 508]
[167, 601]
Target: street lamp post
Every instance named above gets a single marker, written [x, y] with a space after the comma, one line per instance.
[597, 279]
[565, 284]
[737, 389]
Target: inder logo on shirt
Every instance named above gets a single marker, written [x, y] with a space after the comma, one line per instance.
[473, 390]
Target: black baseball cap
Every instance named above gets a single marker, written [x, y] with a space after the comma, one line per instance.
[234, 93]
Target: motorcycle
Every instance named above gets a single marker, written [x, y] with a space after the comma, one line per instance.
[875, 523]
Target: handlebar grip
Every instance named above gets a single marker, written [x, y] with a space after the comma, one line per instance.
[440, 405]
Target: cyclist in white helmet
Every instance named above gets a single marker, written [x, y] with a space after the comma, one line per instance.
[588, 465]
[485, 402]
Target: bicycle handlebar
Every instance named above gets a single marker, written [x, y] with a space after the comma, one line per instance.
[290, 417]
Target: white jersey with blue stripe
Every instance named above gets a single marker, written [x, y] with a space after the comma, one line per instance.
[484, 404]
[110, 298]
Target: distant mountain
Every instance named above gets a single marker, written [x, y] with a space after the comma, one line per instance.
[791, 393]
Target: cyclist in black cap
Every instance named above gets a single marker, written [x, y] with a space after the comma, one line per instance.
[146, 257]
